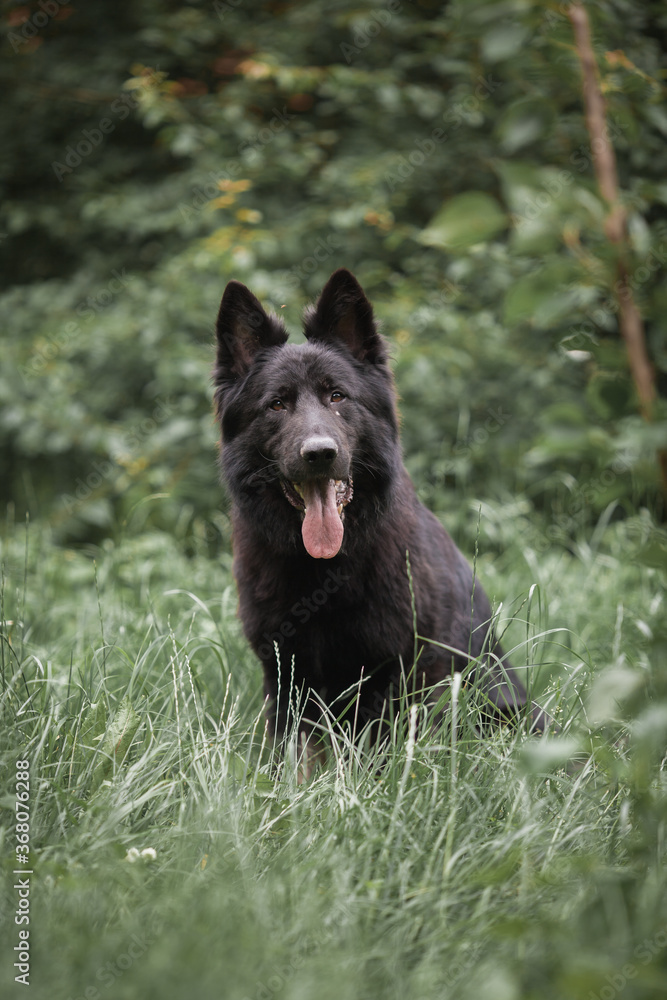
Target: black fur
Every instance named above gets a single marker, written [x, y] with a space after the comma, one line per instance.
[348, 617]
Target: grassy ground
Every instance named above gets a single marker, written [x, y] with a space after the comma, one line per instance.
[170, 859]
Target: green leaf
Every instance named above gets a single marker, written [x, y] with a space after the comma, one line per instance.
[548, 754]
[651, 726]
[503, 41]
[537, 222]
[524, 122]
[467, 219]
[611, 688]
[654, 552]
[520, 181]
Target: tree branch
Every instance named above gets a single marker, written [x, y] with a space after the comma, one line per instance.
[604, 162]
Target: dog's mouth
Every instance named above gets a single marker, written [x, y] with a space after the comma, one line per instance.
[322, 503]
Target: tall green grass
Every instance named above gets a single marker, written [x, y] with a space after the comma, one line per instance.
[174, 855]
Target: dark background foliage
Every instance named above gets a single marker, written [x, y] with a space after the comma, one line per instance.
[154, 150]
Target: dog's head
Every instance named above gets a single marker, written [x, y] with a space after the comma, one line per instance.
[302, 423]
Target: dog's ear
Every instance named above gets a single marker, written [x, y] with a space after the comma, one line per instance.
[243, 329]
[344, 315]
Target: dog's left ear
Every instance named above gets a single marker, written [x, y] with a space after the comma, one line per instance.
[344, 315]
[243, 329]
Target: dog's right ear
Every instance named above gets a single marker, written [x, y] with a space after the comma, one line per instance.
[343, 315]
[243, 329]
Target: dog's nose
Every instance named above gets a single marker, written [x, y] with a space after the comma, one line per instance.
[319, 450]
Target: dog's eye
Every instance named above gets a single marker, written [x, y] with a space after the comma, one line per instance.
[337, 396]
[277, 404]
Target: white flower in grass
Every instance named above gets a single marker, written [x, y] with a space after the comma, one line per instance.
[133, 854]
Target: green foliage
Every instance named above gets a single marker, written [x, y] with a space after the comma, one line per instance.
[441, 153]
[169, 854]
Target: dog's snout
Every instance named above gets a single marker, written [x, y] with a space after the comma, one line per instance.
[319, 450]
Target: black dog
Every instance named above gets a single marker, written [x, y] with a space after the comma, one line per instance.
[323, 514]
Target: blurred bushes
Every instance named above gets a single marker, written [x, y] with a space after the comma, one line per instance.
[440, 152]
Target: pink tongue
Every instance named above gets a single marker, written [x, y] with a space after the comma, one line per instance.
[322, 528]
